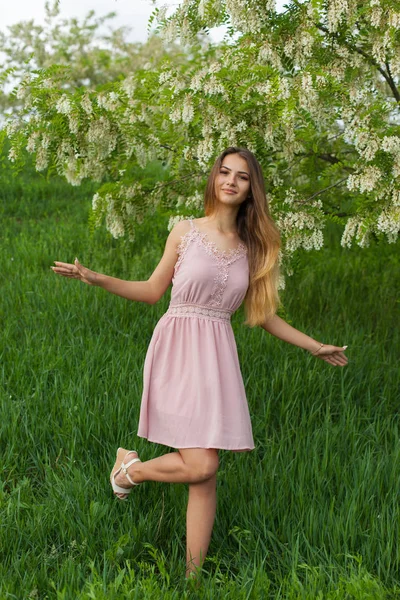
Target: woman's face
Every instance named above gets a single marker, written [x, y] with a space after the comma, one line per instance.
[233, 176]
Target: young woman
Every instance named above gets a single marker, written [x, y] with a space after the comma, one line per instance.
[193, 394]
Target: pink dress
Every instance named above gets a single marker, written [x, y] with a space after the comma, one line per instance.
[193, 392]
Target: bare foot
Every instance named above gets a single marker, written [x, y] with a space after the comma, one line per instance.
[121, 479]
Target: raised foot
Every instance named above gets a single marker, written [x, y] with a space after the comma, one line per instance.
[118, 476]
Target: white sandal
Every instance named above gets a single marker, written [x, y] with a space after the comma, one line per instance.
[124, 468]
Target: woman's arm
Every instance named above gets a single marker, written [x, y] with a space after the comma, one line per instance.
[149, 291]
[334, 355]
[131, 290]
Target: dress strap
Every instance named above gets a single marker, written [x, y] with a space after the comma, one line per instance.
[191, 224]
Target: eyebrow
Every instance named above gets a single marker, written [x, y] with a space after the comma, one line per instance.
[225, 167]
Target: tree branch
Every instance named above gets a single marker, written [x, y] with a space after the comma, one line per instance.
[386, 74]
[178, 180]
[393, 87]
[368, 58]
[325, 189]
[330, 158]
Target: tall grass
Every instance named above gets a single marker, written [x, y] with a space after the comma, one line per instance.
[312, 512]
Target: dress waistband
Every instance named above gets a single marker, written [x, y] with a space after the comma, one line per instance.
[197, 310]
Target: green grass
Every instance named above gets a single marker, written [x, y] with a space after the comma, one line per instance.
[311, 513]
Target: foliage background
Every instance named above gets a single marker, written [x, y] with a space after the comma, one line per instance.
[311, 513]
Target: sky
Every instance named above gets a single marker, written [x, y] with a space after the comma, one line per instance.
[131, 13]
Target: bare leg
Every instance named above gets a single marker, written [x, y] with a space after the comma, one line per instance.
[196, 466]
[199, 522]
[190, 465]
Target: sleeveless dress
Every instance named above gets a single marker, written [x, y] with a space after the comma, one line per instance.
[193, 392]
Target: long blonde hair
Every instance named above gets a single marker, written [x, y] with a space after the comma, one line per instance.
[260, 234]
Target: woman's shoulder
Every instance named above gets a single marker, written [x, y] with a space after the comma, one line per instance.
[182, 227]
[179, 231]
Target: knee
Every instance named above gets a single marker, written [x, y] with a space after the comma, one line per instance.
[208, 467]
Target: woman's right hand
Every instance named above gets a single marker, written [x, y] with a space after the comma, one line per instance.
[75, 271]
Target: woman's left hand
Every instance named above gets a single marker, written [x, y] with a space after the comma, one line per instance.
[334, 355]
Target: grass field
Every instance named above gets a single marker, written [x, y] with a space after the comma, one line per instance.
[311, 513]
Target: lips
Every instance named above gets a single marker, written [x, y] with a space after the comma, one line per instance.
[229, 191]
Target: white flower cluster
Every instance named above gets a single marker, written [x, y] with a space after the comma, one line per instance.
[290, 196]
[187, 110]
[299, 47]
[308, 97]
[365, 141]
[281, 282]
[241, 126]
[349, 231]
[129, 86]
[388, 222]
[214, 67]
[269, 137]
[308, 241]
[164, 76]
[72, 171]
[212, 86]
[23, 88]
[108, 101]
[196, 83]
[196, 201]
[391, 143]
[302, 230]
[106, 205]
[379, 47]
[42, 159]
[284, 89]
[12, 127]
[63, 106]
[12, 155]
[32, 141]
[375, 16]
[356, 228]
[204, 151]
[306, 41]
[394, 19]
[202, 7]
[337, 9]
[96, 202]
[396, 166]
[366, 180]
[101, 136]
[396, 197]
[73, 123]
[46, 141]
[131, 191]
[173, 220]
[115, 224]
[176, 114]
[245, 16]
[169, 32]
[268, 54]
[87, 104]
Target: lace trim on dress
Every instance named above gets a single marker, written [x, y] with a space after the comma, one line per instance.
[223, 259]
[226, 256]
[187, 310]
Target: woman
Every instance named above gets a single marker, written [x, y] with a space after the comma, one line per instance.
[193, 394]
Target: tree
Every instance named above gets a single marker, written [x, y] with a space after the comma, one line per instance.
[313, 91]
[90, 58]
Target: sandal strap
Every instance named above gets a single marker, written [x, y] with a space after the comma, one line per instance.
[124, 468]
[128, 464]
[119, 489]
[129, 478]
